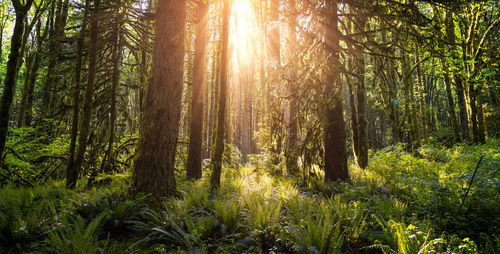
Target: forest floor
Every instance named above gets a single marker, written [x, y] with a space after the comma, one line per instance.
[399, 204]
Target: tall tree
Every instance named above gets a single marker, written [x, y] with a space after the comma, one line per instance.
[115, 79]
[56, 35]
[447, 80]
[216, 162]
[72, 173]
[12, 68]
[198, 87]
[76, 93]
[153, 170]
[291, 155]
[335, 157]
[359, 69]
[24, 112]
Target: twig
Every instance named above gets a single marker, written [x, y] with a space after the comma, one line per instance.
[471, 180]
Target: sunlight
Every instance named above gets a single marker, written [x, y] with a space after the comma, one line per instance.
[245, 35]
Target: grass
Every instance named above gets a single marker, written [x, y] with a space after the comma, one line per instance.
[399, 204]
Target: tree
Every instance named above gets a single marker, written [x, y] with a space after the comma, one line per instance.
[153, 170]
[291, 155]
[198, 87]
[216, 162]
[12, 68]
[76, 93]
[72, 173]
[335, 158]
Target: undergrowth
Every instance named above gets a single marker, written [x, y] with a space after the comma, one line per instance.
[401, 203]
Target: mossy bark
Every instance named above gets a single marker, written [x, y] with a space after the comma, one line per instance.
[12, 68]
[72, 172]
[153, 170]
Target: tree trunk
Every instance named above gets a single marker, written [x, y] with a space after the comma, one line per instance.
[334, 155]
[291, 156]
[464, 126]
[421, 93]
[221, 114]
[155, 156]
[117, 52]
[72, 173]
[55, 38]
[12, 68]
[76, 92]
[480, 119]
[198, 87]
[274, 75]
[24, 114]
[449, 97]
[359, 65]
[473, 112]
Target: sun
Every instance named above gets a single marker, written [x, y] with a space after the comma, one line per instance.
[245, 35]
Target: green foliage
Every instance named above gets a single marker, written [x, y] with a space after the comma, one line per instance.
[27, 147]
[399, 204]
[75, 235]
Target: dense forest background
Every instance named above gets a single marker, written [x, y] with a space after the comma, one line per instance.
[249, 126]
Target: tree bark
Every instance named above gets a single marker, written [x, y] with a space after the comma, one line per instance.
[54, 51]
[334, 141]
[155, 155]
[198, 87]
[72, 173]
[359, 65]
[464, 120]
[115, 79]
[291, 156]
[221, 114]
[12, 68]
[449, 97]
[24, 112]
[76, 92]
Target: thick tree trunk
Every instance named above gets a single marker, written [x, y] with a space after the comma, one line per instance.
[155, 159]
[334, 155]
[72, 173]
[221, 114]
[198, 87]
[12, 68]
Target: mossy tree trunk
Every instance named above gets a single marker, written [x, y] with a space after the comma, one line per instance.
[72, 173]
[76, 92]
[12, 68]
[115, 79]
[153, 170]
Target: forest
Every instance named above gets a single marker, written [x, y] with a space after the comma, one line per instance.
[249, 126]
